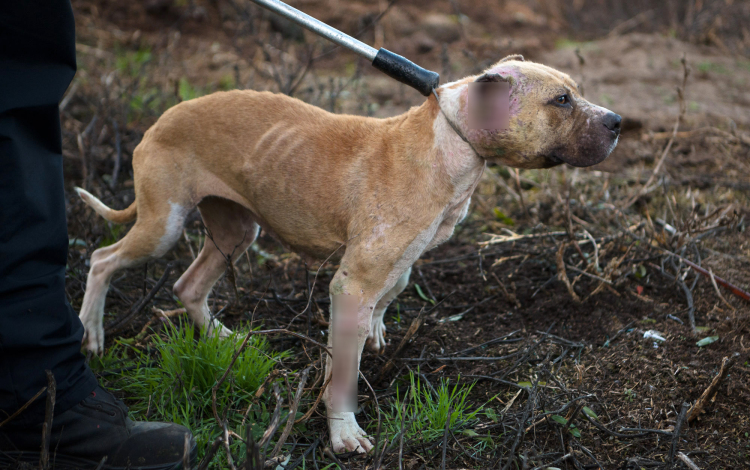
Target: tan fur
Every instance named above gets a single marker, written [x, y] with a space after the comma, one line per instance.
[377, 192]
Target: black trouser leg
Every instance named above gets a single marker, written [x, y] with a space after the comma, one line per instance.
[38, 329]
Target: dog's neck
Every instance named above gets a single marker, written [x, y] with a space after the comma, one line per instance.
[460, 159]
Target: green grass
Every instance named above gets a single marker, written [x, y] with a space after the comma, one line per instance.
[131, 63]
[115, 233]
[425, 412]
[173, 382]
[565, 43]
[707, 67]
[606, 99]
[188, 91]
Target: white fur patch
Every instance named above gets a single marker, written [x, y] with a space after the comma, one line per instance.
[172, 229]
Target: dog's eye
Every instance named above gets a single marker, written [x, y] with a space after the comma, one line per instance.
[562, 100]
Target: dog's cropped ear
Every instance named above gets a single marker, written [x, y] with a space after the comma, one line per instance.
[490, 77]
[517, 57]
[494, 77]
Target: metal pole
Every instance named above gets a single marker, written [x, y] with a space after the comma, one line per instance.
[393, 65]
[320, 28]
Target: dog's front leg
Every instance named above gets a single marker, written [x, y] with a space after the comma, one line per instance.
[353, 299]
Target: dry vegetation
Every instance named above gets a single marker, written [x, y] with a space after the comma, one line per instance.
[558, 328]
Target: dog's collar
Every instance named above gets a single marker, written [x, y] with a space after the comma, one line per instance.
[453, 125]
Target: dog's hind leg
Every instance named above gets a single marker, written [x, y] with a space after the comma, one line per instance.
[376, 340]
[230, 230]
[158, 227]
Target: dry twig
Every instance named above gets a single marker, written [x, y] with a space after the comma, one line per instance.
[21, 409]
[683, 109]
[562, 275]
[687, 461]
[709, 393]
[292, 413]
[49, 413]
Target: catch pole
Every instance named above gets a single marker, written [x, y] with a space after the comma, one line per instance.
[393, 65]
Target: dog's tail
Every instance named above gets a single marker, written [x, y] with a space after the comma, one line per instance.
[118, 217]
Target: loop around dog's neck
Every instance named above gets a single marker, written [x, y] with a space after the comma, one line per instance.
[454, 126]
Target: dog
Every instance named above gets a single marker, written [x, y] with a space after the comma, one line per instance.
[376, 192]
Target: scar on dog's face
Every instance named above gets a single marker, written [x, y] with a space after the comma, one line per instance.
[549, 122]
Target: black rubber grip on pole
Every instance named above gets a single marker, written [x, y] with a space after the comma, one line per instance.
[406, 71]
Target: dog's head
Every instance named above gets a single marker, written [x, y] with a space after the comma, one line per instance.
[549, 122]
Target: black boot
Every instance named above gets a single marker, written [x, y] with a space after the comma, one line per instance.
[95, 428]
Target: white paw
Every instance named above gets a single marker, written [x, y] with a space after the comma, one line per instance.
[376, 339]
[217, 328]
[93, 336]
[225, 332]
[346, 435]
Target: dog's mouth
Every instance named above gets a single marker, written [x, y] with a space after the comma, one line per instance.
[581, 156]
[552, 160]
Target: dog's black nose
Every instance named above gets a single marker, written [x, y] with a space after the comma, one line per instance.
[612, 121]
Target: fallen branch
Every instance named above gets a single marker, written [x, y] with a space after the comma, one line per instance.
[274, 424]
[158, 314]
[211, 452]
[514, 237]
[292, 413]
[562, 275]
[718, 292]
[686, 460]
[681, 418]
[709, 393]
[732, 288]
[555, 462]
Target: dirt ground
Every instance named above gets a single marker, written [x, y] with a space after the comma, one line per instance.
[138, 58]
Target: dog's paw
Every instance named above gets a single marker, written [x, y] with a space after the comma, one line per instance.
[225, 332]
[93, 336]
[346, 435]
[217, 328]
[376, 339]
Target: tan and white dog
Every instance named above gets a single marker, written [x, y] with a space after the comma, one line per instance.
[385, 189]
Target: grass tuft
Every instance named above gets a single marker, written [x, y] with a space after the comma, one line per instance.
[426, 411]
[174, 381]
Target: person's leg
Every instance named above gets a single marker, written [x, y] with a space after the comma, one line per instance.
[38, 329]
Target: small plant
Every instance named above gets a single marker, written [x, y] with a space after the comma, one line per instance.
[188, 91]
[422, 295]
[131, 63]
[397, 317]
[115, 232]
[572, 428]
[425, 412]
[175, 384]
